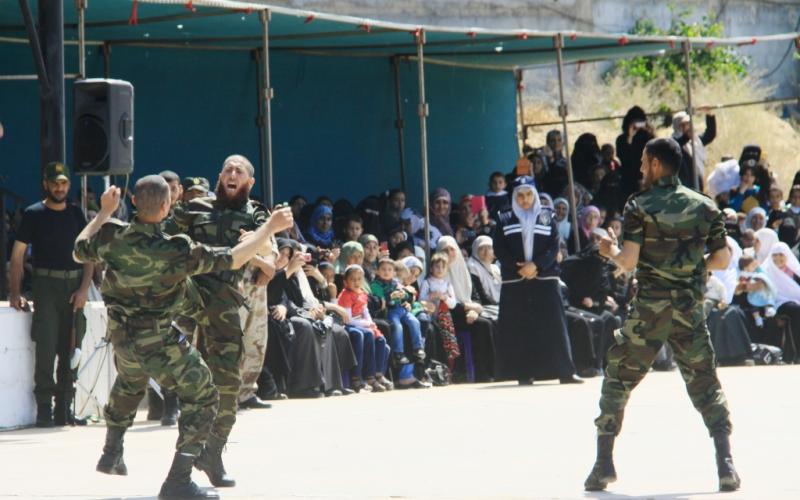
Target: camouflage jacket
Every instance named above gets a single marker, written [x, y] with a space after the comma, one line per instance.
[675, 226]
[147, 271]
[205, 222]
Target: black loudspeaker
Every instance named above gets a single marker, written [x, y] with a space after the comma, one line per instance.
[102, 129]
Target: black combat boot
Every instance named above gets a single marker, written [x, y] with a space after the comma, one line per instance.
[63, 413]
[111, 461]
[179, 482]
[170, 415]
[603, 471]
[210, 462]
[155, 406]
[728, 478]
[44, 415]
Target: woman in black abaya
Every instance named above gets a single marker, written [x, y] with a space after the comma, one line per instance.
[532, 341]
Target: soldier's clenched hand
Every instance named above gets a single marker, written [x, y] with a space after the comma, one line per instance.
[608, 245]
[280, 220]
[109, 202]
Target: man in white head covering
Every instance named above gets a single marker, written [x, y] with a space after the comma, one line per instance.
[693, 171]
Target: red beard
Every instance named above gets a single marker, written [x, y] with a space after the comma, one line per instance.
[236, 201]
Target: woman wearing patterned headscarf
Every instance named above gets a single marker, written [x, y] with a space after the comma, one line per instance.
[441, 204]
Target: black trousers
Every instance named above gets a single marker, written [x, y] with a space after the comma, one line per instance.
[482, 333]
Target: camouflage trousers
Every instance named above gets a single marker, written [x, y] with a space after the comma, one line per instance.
[151, 348]
[674, 317]
[254, 341]
[221, 330]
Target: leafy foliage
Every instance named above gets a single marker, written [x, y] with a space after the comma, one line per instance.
[707, 63]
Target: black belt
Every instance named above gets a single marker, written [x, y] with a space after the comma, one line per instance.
[57, 273]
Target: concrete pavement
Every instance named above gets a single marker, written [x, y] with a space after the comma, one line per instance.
[468, 441]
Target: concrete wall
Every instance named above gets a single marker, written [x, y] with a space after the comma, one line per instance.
[740, 17]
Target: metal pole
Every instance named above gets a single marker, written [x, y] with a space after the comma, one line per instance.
[51, 39]
[33, 37]
[558, 40]
[84, 194]
[690, 110]
[106, 60]
[81, 6]
[423, 112]
[399, 122]
[3, 246]
[262, 150]
[266, 170]
[522, 131]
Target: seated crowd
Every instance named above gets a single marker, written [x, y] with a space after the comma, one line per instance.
[354, 306]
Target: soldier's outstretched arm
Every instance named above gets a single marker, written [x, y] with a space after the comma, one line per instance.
[108, 205]
[249, 246]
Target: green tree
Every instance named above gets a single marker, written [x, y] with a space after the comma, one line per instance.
[707, 63]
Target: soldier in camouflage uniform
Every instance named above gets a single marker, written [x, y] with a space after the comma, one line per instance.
[220, 222]
[146, 286]
[254, 341]
[667, 230]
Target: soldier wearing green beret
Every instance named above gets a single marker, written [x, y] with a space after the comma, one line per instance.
[146, 286]
[673, 235]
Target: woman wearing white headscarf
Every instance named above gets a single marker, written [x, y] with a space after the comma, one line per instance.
[467, 313]
[784, 270]
[561, 216]
[765, 238]
[730, 276]
[727, 323]
[756, 219]
[486, 278]
[532, 341]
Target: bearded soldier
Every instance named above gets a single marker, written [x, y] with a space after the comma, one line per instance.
[221, 222]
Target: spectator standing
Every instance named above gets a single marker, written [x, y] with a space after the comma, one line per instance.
[556, 178]
[636, 131]
[693, 148]
[532, 339]
[60, 290]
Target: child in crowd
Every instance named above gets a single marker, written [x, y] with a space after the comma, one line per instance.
[408, 280]
[715, 294]
[415, 270]
[398, 313]
[437, 290]
[496, 196]
[405, 278]
[615, 225]
[353, 228]
[747, 266]
[609, 158]
[756, 296]
[367, 341]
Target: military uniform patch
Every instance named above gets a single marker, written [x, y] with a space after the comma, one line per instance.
[545, 216]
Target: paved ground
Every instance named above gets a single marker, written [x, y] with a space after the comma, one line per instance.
[487, 441]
